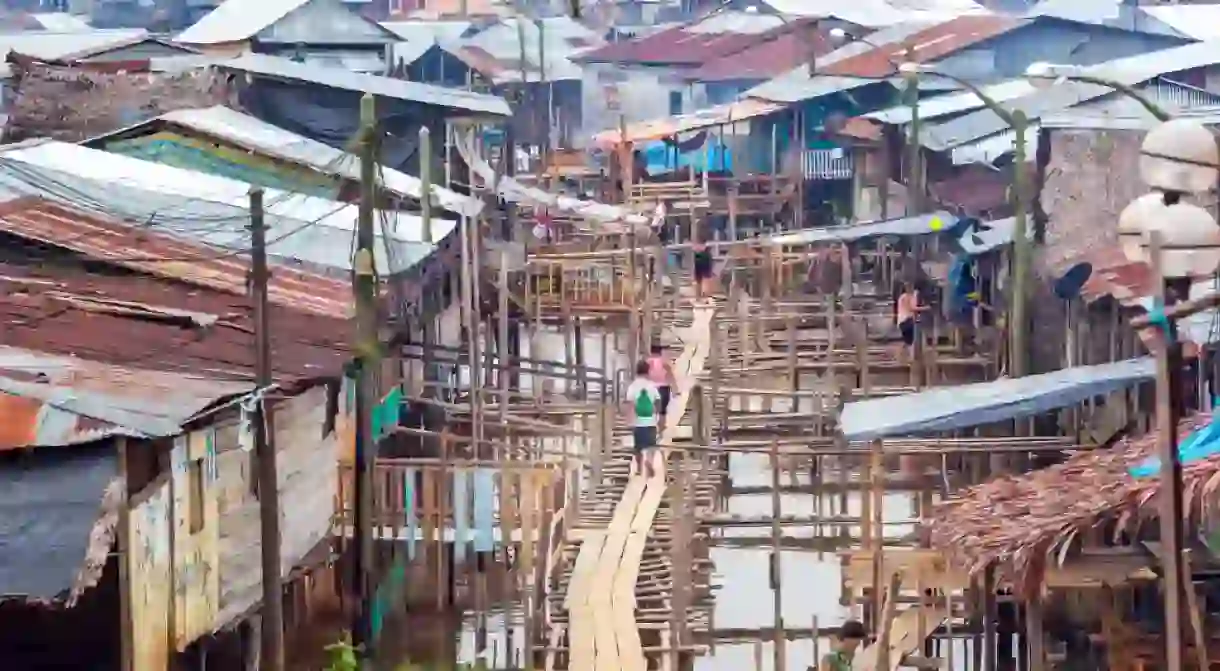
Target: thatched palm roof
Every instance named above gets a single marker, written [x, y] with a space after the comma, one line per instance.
[1021, 522]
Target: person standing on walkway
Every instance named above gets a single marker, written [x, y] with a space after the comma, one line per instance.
[703, 270]
[907, 309]
[661, 373]
[642, 400]
[843, 647]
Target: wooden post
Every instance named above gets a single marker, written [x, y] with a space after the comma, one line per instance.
[876, 468]
[123, 549]
[1035, 633]
[777, 585]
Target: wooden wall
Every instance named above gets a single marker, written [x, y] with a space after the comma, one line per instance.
[150, 576]
[307, 484]
[196, 536]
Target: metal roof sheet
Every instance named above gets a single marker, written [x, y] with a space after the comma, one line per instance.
[953, 103]
[237, 20]
[398, 89]
[60, 22]
[58, 46]
[159, 323]
[970, 405]
[781, 50]
[924, 46]
[792, 86]
[55, 503]
[694, 43]
[206, 208]
[428, 31]
[135, 248]
[257, 135]
[1201, 22]
[114, 400]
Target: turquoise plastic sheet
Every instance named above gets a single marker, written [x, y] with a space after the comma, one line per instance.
[1200, 444]
[484, 510]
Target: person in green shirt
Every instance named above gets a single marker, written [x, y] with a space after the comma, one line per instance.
[843, 649]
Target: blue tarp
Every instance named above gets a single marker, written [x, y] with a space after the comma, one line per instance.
[969, 405]
[1201, 444]
[710, 157]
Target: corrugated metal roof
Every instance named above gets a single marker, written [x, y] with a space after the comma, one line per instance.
[1090, 119]
[878, 13]
[237, 21]
[983, 126]
[794, 85]
[150, 322]
[206, 208]
[81, 401]
[970, 405]
[781, 50]
[810, 89]
[398, 89]
[988, 150]
[1201, 22]
[428, 31]
[712, 36]
[556, 42]
[123, 245]
[924, 46]
[55, 502]
[257, 135]
[60, 22]
[953, 103]
[57, 46]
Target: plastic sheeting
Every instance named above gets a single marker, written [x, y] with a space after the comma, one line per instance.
[923, 224]
[1201, 444]
[515, 192]
[965, 406]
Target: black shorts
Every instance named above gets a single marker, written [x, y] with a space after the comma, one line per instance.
[907, 328]
[645, 437]
[703, 265]
[664, 392]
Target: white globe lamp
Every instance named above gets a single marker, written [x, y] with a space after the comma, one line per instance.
[1190, 241]
[1131, 222]
[1180, 155]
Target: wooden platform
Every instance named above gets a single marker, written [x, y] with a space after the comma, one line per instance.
[601, 597]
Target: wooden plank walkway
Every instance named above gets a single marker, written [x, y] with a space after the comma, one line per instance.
[604, 635]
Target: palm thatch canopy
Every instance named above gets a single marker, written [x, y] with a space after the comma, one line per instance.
[1019, 523]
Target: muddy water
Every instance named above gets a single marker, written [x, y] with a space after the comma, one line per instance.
[809, 569]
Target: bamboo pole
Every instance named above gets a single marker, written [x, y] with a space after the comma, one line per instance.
[777, 586]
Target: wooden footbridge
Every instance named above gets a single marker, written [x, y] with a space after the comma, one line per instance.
[601, 597]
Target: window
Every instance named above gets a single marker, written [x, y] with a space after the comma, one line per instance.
[675, 102]
[194, 504]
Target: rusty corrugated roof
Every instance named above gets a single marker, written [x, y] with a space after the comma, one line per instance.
[138, 248]
[131, 319]
[689, 44]
[778, 51]
[49, 400]
[925, 46]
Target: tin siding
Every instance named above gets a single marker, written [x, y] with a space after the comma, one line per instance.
[150, 577]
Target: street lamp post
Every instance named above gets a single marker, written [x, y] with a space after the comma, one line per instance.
[1181, 241]
[1018, 328]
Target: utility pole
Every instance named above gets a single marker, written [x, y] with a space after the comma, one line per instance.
[425, 181]
[367, 350]
[272, 626]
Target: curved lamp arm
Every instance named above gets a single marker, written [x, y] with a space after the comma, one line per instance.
[988, 102]
[1129, 91]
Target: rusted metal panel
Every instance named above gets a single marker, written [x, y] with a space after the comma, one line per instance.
[128, 246]
[138, 320]
[150, 567]
[925, 46]
[196, 536]
[49, 400]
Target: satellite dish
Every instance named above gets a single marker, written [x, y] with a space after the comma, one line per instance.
[1068, 285]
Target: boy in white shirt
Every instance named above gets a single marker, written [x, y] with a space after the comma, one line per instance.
[644, 407]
